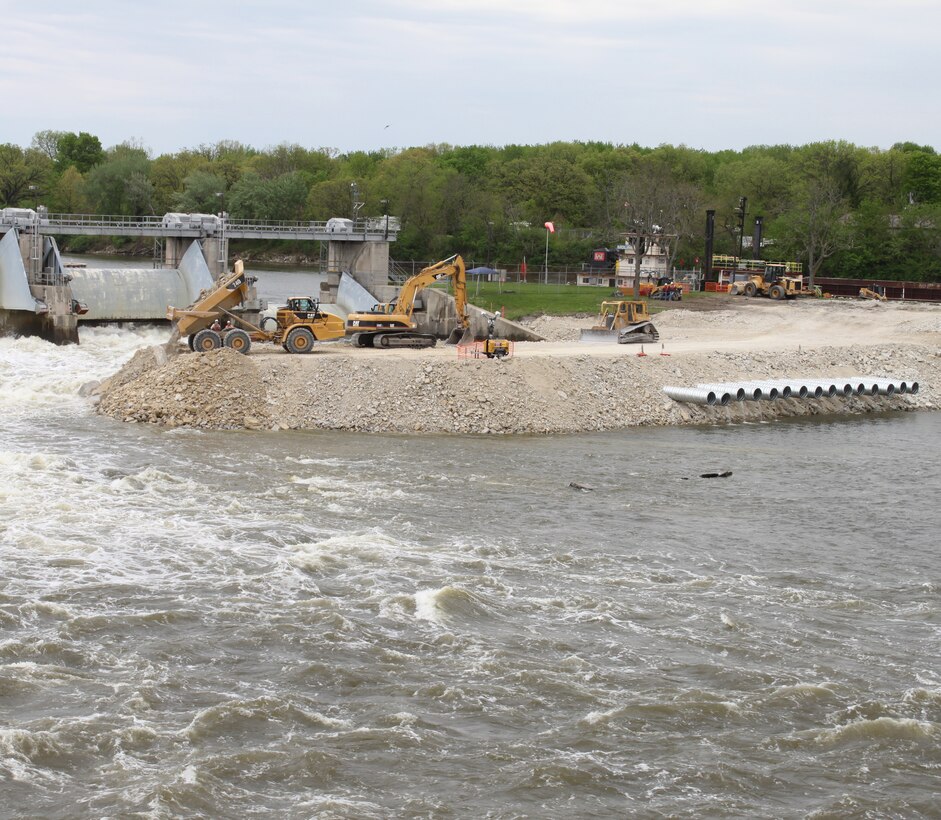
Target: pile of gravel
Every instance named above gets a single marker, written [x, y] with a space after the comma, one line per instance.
[539, 394]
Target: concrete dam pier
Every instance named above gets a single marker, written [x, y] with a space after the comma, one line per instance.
[39, 297]
[36, 300]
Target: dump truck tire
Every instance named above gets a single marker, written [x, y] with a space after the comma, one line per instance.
[299, 340]
[190, 340]
[206, 340]
[238, 340]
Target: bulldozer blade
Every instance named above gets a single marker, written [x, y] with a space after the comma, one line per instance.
[599, 336]
[638, 334]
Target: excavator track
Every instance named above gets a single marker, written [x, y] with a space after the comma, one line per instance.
[404, 340]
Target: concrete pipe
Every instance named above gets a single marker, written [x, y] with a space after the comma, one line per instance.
[692, 395]
[913, 388]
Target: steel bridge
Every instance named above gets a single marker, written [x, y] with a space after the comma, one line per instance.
[198, 226]
[359, 246]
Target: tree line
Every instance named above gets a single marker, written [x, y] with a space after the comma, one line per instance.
[842, 209]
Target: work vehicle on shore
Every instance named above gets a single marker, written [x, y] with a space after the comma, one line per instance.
[390, 324]
[624, 320]
[493, 347]
[772, 282]
[211, 323]
[667, 290]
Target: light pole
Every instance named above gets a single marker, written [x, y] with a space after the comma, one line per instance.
[221, 196]
[385, 211]
[489, 241]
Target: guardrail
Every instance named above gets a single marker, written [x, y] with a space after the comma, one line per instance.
[373, 229]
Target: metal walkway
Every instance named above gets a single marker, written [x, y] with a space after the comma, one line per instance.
[198, 226]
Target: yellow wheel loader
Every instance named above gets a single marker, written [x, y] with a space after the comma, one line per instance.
[625, 321]
[773, 283]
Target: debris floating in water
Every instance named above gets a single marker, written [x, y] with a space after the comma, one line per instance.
[584, 487]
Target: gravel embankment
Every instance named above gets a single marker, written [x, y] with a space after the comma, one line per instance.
[545, 388]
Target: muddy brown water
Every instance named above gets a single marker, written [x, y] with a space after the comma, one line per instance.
[333, 625]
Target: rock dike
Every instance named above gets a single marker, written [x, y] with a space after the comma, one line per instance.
[558, 386]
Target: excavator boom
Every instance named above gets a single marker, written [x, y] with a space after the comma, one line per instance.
[391, 325]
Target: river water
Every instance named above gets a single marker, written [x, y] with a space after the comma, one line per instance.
[319, 624]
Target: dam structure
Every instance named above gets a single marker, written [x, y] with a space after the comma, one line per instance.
[39, 296]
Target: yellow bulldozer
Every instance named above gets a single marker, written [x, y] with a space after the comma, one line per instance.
[211, 322]
[626, 321]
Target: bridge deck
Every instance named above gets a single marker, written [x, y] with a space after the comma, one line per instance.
[85, 225]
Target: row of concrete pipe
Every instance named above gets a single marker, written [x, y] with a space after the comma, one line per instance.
[725, 393]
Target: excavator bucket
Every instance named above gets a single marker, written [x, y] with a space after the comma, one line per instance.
[460, 336]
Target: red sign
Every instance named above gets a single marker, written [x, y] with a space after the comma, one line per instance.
[599, 256]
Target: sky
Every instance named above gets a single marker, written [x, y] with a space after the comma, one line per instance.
[384, 74]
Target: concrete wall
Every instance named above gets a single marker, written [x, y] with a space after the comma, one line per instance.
[367, 262]
[440, 318]
[18, 306]
[177, 247]
[14, 285]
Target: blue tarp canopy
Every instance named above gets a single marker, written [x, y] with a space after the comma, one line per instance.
[480, 271]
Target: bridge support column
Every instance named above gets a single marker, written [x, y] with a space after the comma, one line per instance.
[366, 262]
[214, 250]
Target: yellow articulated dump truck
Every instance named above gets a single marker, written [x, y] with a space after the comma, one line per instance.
[211, 322]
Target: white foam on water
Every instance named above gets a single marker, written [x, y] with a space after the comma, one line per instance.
[426, 606]
[40, 377]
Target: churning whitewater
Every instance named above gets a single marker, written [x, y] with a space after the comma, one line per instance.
[331, 624]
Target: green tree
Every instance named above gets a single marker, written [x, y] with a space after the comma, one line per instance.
[203, 192]
[282, 198]
[68, 195]
[922, 177]
[22, 176]
[815, 227]
[83, 150]
[116, 185]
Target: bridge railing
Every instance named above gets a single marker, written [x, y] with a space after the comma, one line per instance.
[95, 221]
[171, 224]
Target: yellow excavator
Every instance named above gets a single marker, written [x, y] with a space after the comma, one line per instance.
[390, 324]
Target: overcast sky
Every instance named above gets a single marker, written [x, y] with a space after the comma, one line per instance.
[367, 74]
